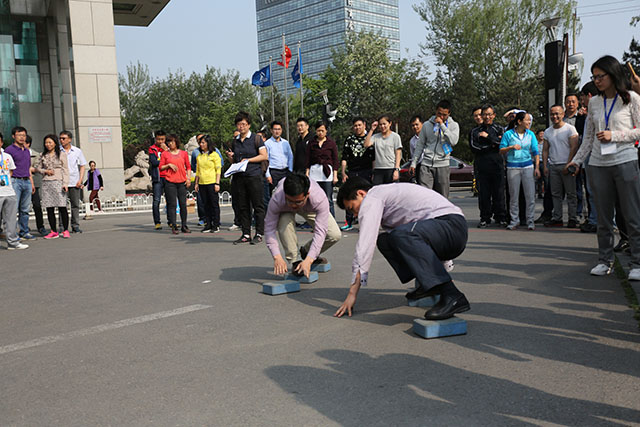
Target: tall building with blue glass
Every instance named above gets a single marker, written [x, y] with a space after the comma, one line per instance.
[320, 26]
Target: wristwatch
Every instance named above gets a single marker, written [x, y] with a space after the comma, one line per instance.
[397, 169]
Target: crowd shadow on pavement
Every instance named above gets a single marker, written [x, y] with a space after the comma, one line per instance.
[548, 335]
[399, 389]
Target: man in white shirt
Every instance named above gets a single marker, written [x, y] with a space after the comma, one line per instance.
[421, 229]
[560, 145]
[77, 165]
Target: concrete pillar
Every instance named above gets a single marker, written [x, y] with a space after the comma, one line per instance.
[95, 78]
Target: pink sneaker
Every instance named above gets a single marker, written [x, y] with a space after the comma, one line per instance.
[65, 234]
[52, 235]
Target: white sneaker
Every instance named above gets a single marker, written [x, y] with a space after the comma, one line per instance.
[603, 270]
[448, 265]
[234, 228]
[18, 246]
[634, 274]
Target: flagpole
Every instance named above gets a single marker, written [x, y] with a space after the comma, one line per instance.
[300, 70]
[273, 83]
[284, 79]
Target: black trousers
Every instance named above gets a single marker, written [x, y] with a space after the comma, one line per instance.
[249, 191]
[382, 176]
[210, 205]
[176, 192]
[276, 176]
[416, 250]
[64, 218]
[37, 209]
[491, 195]
[363, 173]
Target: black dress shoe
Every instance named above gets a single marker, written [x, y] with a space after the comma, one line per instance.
[621, 246]
[447, 307]
[293, 269]
[420, 293]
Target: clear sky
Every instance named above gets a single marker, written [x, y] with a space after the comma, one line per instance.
[191, 34]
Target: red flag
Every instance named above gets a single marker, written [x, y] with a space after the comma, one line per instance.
[287, 55]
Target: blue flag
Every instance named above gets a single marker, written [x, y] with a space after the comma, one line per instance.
[262, 77]
[297, 71]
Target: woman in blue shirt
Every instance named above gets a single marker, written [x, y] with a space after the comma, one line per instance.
[521, 148]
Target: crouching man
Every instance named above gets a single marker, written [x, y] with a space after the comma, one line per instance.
[296, 194]
[421, 229]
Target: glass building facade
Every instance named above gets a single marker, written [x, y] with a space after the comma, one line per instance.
[320, 26]
[19, 68]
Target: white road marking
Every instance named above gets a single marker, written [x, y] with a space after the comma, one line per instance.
[100, 328]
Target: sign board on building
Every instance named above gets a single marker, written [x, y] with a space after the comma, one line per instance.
[100, 134]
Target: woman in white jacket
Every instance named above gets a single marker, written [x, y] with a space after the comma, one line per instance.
[613, 126]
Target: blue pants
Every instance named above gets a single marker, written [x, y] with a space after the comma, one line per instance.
[22, 187]
[327, 186]
[416, 250]
[158, 189]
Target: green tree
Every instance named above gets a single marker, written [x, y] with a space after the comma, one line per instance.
[632, 56]
[498, 44]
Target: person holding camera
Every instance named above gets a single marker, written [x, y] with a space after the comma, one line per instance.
[560, 145]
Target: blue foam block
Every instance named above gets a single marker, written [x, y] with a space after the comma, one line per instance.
[440, 328]
[313, 277]
[321, 268]
[278, 288]
[424, 302]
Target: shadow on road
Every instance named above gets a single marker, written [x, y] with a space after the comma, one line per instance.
[398, 389]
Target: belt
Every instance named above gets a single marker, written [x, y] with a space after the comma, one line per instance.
[19, 177]
[275, 169]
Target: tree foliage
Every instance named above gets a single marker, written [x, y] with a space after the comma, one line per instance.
[632, 56]
[489, 51]
[363, 81]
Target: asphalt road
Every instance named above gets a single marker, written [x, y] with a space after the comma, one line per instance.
[125, 325]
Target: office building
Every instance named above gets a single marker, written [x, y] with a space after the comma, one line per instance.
[321, 26]
[58, 71]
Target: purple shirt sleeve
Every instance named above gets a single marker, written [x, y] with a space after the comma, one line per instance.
[276, 205]
[369, 218]
[319, 204]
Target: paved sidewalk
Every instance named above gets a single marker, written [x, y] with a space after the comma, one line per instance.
[124, 325]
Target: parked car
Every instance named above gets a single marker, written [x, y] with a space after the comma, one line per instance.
[460, 173]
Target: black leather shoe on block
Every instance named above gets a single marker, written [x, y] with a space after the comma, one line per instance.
[447, 307]
[293, 269]
[420, 293]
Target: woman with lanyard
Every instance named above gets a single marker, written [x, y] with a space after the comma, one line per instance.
[521, 148]
[178, 167]
[322, 162]
[613, 125]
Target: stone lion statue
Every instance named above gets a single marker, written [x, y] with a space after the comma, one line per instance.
[137, 177]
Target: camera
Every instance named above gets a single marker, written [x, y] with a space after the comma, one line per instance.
[572, 170]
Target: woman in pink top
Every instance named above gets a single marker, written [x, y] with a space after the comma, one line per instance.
[178, 168]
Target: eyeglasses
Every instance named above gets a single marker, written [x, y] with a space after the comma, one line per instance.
[597, 77]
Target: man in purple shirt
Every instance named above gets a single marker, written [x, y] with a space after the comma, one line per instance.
[297, 194]
[21, 180]
[421, 230]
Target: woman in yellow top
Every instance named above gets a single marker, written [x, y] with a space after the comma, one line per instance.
[208, 168]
